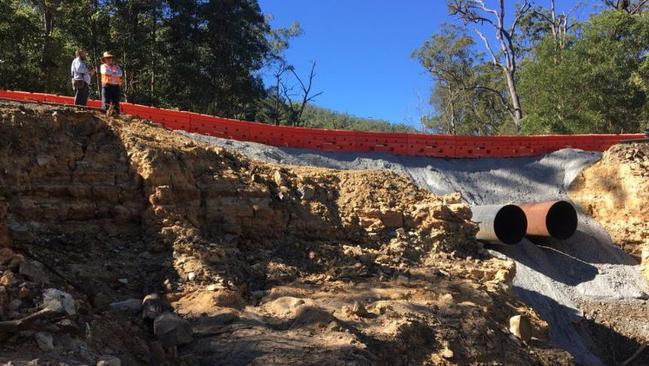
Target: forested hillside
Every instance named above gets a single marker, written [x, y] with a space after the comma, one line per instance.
[204, 56]
[539, 70]
[500, 66]
[326, 118]
[200, 55]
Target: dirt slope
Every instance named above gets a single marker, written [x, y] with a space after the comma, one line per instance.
[615, 191]
[270, 264]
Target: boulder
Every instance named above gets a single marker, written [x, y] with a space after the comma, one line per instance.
[8, 279]
[172, 330]
[391, 219]
[447, 353]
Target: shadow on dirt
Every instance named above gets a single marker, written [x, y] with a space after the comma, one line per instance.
[552, 263]
[591, 343]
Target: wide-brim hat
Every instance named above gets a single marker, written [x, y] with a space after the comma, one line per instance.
[106, 55]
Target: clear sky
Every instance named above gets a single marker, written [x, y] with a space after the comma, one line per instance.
[362, 49]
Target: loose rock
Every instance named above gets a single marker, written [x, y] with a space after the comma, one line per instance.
[172, 330]
[109, 361]
[151, 306]
[521, 327]
[130, 306]
[34, 271]
[59, 301]
[45, 341]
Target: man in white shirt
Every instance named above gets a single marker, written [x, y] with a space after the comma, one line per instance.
[80, 78]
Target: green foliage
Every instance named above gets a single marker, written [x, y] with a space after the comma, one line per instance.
[590, 77]
[191, 54]
[200, 55]
[598, 83]
[324, 118]
[468, 95]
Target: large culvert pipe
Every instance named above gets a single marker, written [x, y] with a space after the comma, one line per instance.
[500, 224]
[557, 219]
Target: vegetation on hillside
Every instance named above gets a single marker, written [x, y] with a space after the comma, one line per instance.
[325, 118]
[204, 56]
[505, 66]
[540, 71]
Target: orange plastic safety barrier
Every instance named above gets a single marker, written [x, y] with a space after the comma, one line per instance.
[411, 144]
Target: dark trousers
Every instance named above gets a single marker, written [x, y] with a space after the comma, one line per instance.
[110, 96]
[81, 95]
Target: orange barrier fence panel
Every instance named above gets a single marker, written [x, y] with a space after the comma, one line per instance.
[412, 144]
[431, 145]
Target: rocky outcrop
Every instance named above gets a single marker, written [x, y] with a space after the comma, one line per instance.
[615, 192]
[253, 262]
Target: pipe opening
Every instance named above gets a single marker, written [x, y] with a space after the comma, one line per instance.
[561, 220]
[510, 224]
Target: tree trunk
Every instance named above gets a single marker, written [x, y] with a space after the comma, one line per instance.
[46, 57]
[517, 114]
[452, 130]
[94, 6]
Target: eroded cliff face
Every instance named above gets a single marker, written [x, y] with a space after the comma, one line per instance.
[270, 264]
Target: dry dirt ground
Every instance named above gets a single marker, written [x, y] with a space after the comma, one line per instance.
[266, 264]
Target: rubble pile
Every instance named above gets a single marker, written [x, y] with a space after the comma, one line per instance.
[131, 244]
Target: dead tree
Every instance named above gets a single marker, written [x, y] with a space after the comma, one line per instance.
[560, 24]
[477, 12]
[278, 103]
[627, 6]
[297, 109]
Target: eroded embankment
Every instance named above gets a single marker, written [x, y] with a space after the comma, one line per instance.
[615, 191]
[270, 264]
[572, 283]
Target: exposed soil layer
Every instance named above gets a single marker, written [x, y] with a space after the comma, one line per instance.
[615, 191]
[270, 264]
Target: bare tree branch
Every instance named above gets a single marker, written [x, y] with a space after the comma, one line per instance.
[306, 90]
[488, 46]
[475, 11]
[638, 8]
[502, 98]
[519, 14]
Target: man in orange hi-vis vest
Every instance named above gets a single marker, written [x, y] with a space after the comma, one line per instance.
[111, 81]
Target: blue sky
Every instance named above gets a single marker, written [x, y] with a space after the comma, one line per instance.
[362, 49]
